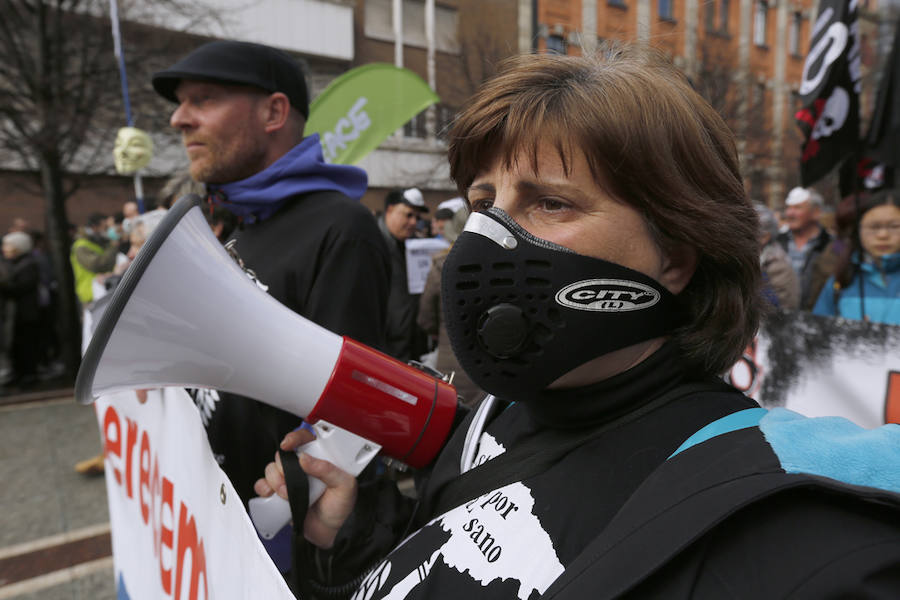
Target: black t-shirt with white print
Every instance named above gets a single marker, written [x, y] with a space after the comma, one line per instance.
[513, 542]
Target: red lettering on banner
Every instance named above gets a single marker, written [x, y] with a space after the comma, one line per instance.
[892, 398]
[144, 477]
[156, 503]
[187, 540]
[166, 537]
[131, 441]
[155, 494]
[112, 444]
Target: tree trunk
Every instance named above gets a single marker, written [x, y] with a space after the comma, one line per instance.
[68, 318]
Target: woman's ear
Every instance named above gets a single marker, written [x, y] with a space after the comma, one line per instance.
[277, 108]
[679, 267]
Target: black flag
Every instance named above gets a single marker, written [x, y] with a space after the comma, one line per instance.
[865, 174]
[883, 139]
[830, 90]
[876, 166]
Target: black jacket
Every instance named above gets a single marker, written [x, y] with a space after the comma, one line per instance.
[808, 290]
[321, 255]
[405, 340]
[615, 516]
[725, 520]
[19, 282]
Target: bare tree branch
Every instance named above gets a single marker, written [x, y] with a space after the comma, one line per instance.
[61, 99]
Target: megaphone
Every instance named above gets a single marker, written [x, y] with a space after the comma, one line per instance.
[186, 314]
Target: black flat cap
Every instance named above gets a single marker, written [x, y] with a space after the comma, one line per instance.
[242, 63]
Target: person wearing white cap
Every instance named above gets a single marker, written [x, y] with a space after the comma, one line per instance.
[402, 209]
[805, 239]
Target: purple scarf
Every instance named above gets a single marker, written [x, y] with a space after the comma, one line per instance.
[299, 171]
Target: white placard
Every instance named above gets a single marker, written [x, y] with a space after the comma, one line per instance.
[418, 260]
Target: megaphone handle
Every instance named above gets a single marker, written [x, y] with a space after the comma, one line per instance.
[340, 447]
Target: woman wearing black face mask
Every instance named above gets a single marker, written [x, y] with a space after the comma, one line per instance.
[609, 275]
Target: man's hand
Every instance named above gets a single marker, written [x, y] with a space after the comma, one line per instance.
[328, 514]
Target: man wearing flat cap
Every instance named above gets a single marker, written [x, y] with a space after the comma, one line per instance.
[241, 110]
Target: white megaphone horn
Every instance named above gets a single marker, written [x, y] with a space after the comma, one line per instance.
[186, 315]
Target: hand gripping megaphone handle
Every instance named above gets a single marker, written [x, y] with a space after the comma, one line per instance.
[340, 447]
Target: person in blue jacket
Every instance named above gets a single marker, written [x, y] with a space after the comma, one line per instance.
[866, 283]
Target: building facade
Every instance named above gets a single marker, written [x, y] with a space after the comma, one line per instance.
[745, 56]
[451, 44]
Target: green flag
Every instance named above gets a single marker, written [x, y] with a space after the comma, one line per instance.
[364, 106]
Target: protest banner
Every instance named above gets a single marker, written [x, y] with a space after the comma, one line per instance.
[179, 529]
[824, 366]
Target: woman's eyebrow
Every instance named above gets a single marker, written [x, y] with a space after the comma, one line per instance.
[546, 187]
[482, 187]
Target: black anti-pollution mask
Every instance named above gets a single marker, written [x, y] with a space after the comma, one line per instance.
[521, 311]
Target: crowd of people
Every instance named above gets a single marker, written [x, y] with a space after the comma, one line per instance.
[849, 268]
[29, 348]
[587, 297]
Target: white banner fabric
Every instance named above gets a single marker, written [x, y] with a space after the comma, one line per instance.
[824, 366]
[179, 530]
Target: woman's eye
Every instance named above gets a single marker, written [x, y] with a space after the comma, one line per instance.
[552, 204]
[482, 204]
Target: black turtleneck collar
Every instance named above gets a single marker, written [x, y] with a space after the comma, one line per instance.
[611, 398]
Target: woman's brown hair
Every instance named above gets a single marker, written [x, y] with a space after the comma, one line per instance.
[652, 142]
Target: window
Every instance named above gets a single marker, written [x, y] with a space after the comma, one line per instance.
[415, 127]
[723, 16]
[445, 115]
[556, 44]
[379, 24]
[759, 22]
[665, 9]
[794, 33]
[720, 25]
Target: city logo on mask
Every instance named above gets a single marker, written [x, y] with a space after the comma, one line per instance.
[607, 295]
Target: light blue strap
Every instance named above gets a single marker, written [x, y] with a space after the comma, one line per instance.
[739, 420]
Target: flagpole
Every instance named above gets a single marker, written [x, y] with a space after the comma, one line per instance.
[397, 20]
[430, 66]
[123, 78]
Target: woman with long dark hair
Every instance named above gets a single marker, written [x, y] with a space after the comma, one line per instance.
[866, 281]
